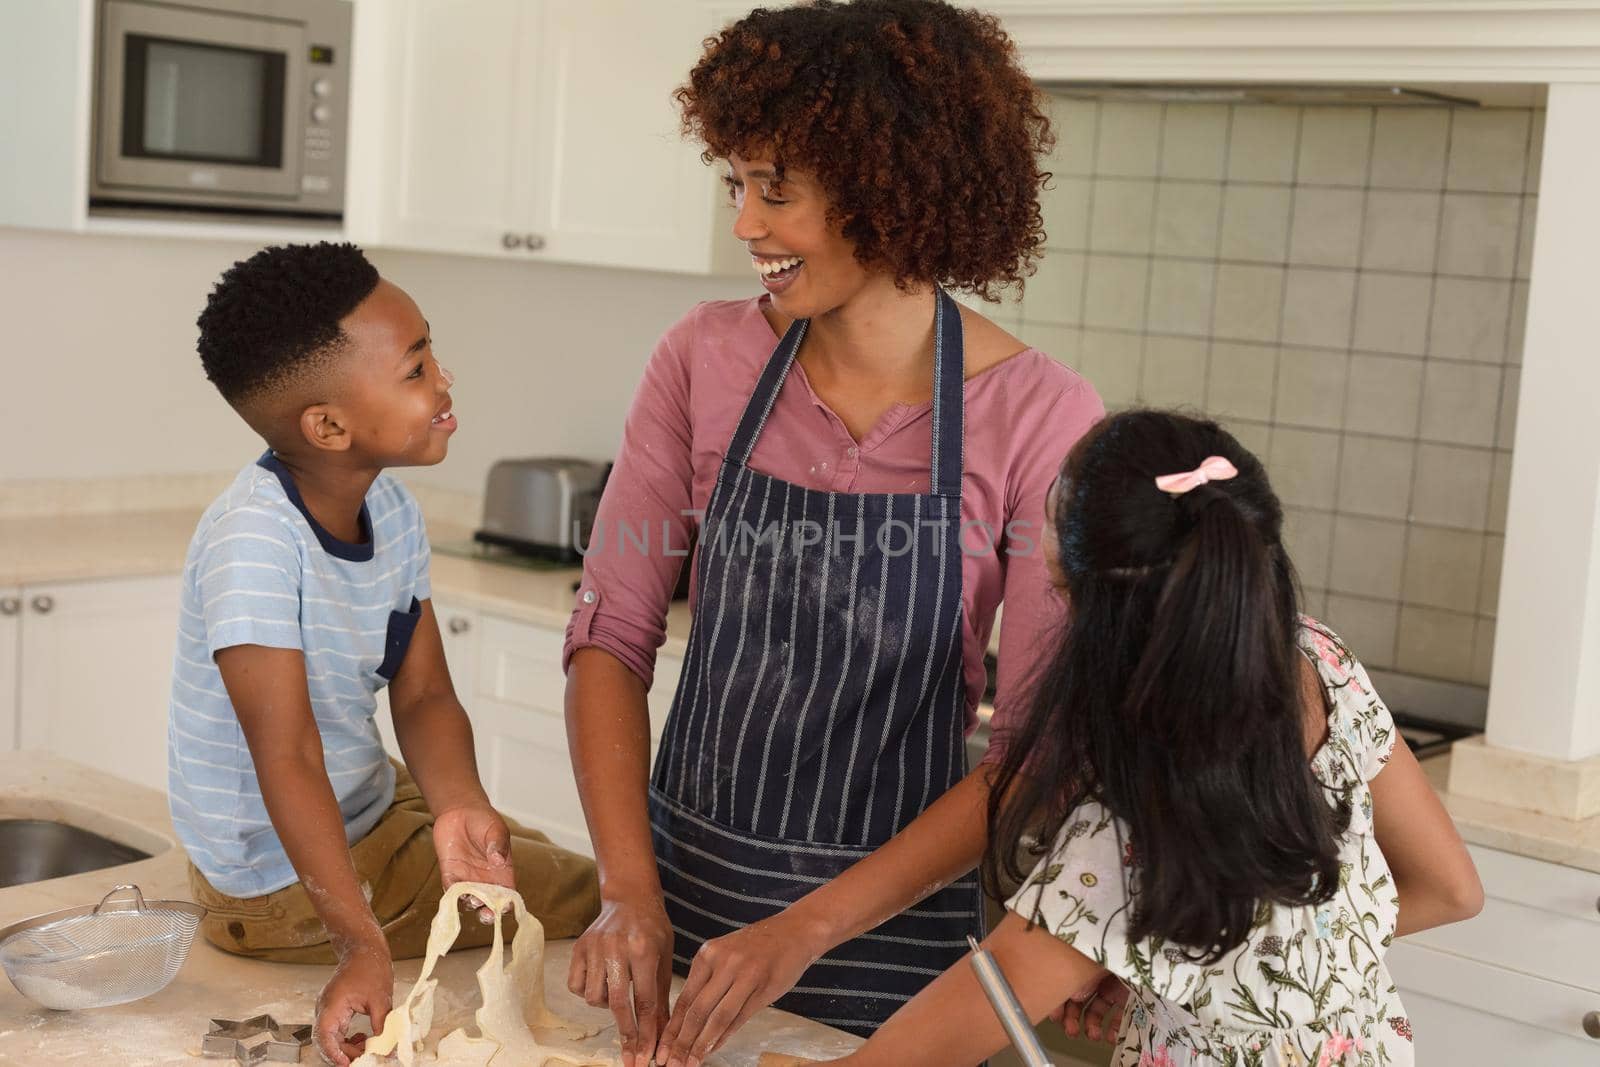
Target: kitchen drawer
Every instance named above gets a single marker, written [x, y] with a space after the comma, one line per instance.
[1449, 1034]
[523, 761]
[520, 664]
[1537, 919]
[1550, 887]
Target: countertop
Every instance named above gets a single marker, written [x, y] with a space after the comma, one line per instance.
[36, 550]
[166, 1028]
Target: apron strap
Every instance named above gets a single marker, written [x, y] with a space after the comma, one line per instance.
[949, 396]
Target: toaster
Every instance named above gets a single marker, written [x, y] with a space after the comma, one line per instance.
[542, 506]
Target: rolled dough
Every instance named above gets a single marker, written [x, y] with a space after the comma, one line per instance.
[513, 998]
[778, 1059]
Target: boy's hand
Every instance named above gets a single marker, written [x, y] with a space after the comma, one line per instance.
[473, 845]
[362, 983]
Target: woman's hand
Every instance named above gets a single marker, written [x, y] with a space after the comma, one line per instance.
[363, 983]
[731, 979]
[1095, 1013]
[627, 950]
[474, 845]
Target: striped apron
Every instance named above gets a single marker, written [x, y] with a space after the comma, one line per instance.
[821, 705]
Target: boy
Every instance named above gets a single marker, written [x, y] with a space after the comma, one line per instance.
[306, 591]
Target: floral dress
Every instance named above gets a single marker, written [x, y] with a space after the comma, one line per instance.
[1308, 988]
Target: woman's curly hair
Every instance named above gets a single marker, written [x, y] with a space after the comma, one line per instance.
[915, 116]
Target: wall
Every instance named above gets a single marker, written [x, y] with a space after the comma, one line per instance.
[1344, 288]
[103, 380]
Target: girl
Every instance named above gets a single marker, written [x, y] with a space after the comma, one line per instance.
[1223, 815]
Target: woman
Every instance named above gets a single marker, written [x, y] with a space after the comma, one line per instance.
[862, 465]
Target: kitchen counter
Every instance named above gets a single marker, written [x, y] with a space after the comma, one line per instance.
[166, 1028]
[124, 544]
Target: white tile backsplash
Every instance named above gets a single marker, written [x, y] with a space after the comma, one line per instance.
[1326, 227]
[1311, 387]
[1443, 568]
[1385, 395]
[1452, 487]
[1392, 313]
[1130, 139]
[1255, 223]
[1375, 477]
[1249, 302]
[1304, 466]
[1478, 235]
[1488, 150]
[1240, 380]
[1064, 203]
[1344, 289]
[1318, 306]
[1115, 296]
[1174, 372]
[1262, 144]
[1334, 146]
[1121, 215]
[1194, 142]
[1408, 148]
[1470, 317]
[1400, 230]
[1181, 293]
[1055, 292]
[1076, 123]
[1188, 216]
[1460, 402]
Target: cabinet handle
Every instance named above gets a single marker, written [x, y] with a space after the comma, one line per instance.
[1591, 1024]
[10, 605]
[533, 242]
[44, 605]
[458, 625]
[511, 240]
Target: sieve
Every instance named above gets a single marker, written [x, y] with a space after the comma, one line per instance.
[118, 950]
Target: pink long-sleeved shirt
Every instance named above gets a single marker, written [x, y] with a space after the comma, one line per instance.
[1022, 416]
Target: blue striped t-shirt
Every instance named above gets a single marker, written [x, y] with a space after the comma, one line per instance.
[262, 571]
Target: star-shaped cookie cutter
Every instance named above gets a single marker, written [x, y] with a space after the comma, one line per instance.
[250, 1041]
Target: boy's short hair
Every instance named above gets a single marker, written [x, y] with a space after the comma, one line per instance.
[275, 316]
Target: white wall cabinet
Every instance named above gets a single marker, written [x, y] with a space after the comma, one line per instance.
[537, 129]
[94, 672]
[10, 650]
[1514, 984]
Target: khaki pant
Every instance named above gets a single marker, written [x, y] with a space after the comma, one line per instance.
[397, 862]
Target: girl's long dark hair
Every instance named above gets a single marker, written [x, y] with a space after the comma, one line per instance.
[1174, 694]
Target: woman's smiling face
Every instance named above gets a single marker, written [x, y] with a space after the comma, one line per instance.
[806, 264]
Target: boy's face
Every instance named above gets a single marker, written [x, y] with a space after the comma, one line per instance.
[394, 399]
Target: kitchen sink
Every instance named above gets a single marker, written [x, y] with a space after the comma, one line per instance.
[32, 850]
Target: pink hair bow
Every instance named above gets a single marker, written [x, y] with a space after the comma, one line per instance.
[1211, 469]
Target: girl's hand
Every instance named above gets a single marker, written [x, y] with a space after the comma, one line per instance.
[731, 979]
[1095, 1013]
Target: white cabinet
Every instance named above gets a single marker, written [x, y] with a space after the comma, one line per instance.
[520, 724]
[538, 129]
[95, 666]
[1514, 984]
[10, 649]
[509, 678]
[458, 629]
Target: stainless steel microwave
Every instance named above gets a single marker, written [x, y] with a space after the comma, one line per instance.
[232, 106]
